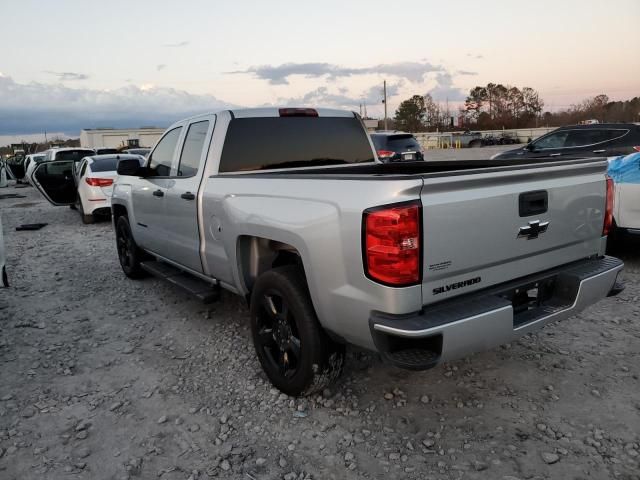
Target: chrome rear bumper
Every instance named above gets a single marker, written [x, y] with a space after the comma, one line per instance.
[492, 317]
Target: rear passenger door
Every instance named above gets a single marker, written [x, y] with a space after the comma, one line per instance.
[182, 242]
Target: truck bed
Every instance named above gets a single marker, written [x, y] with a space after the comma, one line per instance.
[407, 169]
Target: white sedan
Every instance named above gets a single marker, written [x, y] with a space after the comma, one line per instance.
[31, 162]
[95, 176]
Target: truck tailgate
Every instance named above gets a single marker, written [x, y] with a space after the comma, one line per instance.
[486, 227]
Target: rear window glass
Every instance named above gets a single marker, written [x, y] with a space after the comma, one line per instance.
[396, 142]
[108, 164]
[290, 142]
[378, 141]
[72, 154]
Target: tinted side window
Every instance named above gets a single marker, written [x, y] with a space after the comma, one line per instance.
[162, 157]
[192, 149]
[553, 140]
[614, 134]
[579, 138]
[84, 168]
[294, 142]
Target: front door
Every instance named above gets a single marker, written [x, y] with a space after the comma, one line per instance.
[54, 180]
[182, 242]
[148, 193]
[549, 146]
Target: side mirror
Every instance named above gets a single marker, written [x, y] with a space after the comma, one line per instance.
[130, 167]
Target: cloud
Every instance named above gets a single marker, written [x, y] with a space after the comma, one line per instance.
[35, 107]
[466, 72]
[323, 97]
[444, 89]
[184, 43]
[162, 66]
[68, 75]
[279, 74]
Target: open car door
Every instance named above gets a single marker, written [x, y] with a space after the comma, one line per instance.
[54, 180]
[15, 167]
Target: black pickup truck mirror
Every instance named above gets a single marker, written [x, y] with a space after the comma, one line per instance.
[130, 167]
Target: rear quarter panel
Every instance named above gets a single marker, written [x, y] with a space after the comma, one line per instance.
[321, 219]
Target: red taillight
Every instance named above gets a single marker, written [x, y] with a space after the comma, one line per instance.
[385, 153]
[298, 112]
[392, 244]
[99, 182]
[608, 211]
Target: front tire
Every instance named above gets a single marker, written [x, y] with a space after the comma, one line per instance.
[295, 352]
[129, 253]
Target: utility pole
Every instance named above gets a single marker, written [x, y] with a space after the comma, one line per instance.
[385, 104]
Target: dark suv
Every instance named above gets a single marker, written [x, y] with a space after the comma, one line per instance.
[397, 147]
[598, 140]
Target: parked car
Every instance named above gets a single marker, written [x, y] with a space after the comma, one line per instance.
[467, 139]
[15, 167]
[423, 262]
[68, 154]
[137, 151]
[94, 177]
[578, 141]
[105, 150]
[625, 172]
[397, 147]
[30, 164]
[508, 139]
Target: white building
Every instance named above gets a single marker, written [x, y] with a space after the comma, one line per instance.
[115, 138]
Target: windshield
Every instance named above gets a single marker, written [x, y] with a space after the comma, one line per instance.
[290, 142]
[111, 164]
[76, 155]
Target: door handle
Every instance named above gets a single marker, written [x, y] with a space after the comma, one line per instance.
[555, 154]
[188, 196]
[599, 151]
[158, 193]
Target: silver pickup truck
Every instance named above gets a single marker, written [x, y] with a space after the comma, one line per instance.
[423, 262]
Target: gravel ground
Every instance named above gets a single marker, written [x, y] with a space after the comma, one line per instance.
[105, 378]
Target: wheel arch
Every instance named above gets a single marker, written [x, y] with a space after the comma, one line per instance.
[256, 255]
[118, 211]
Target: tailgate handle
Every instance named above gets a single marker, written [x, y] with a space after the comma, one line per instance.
[533, 203]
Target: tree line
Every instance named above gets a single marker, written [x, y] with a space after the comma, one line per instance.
[497, 106]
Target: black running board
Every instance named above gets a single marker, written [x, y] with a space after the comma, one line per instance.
[206, 292]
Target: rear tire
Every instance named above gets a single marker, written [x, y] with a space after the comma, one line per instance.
[86, 219]
[295, 352]
[129, 253]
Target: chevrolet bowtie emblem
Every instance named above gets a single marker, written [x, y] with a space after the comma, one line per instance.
[532, 230]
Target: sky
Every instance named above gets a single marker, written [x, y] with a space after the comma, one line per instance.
[73, 64]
